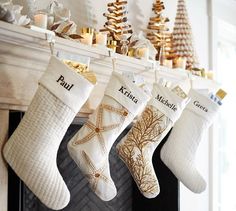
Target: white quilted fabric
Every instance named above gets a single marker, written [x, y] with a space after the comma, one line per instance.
[32, 149]
[178, 153]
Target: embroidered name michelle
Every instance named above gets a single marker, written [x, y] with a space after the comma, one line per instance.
[128, 94]
[166, 102]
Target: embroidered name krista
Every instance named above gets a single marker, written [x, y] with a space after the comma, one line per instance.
[196, 103]
[62, 82]
[166, 102]
[128, 94]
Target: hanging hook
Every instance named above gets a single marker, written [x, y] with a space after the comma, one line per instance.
[156, 69]
[114, 64]
[190, 77]
[147, 69]
[111, 52]
[50, 37]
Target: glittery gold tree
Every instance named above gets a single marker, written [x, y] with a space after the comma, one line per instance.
[117, 22]
[157, 29]
[182, 36]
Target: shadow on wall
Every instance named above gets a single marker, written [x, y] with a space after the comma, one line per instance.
[82, 12]
[136, 16]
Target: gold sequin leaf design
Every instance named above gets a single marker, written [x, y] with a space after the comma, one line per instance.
[94, 174]
[97, 128]
[146, 130]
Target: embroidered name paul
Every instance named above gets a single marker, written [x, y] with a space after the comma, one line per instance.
[128, 94]
[166, 102]
[64, 84]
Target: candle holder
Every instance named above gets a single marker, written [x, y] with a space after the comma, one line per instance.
[168, 63]
[112, 44]
[124, 43]
[142, 53]
[131, 52]
[180, 62]
[41, 19]
[101, 38]
[87, 34]
[210, 74]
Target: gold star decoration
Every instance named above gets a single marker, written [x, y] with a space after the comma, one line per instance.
[97, 129]
[95, 174]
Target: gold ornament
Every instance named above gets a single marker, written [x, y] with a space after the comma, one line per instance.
[81, 69]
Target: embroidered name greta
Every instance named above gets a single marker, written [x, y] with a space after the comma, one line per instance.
[166, 102]
[196, 103]
[64, 84]
[128, 94]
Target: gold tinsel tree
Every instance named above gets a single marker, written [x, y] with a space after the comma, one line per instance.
[157, 31]
[117, 20]
[182, 36]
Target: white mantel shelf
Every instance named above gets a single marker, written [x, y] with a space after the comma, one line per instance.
[25, 53]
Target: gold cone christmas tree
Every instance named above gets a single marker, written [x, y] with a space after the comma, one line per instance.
[182, 36]
[157, 31]
[117, 20]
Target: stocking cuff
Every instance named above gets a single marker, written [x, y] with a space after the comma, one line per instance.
[167, 102]
[70, 87]
[202, 106]
[126, 93]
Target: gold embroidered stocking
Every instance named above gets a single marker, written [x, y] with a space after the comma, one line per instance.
[137, 147]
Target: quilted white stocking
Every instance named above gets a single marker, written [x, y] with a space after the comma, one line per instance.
[91, 145]
[137, 147]
[178, 153]
[32, 149]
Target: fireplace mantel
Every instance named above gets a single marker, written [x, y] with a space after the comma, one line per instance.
[24, 56]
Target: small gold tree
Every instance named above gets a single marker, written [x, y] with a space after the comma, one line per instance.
[157, 29]
[117, 22]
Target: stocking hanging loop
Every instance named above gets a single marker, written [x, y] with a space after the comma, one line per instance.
[113, 64]
[190, 77]
[51, 41]
[156, 70]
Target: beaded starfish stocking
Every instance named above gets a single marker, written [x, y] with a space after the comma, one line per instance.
[91, 145]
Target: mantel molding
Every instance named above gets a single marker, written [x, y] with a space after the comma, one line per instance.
[25, 53]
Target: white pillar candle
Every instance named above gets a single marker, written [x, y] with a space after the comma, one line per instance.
[181, 62]
[87, 34]
[41, 20]
[87, 39]
[210, 74]
[167, 63]
[101, 38]
[142, 53]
